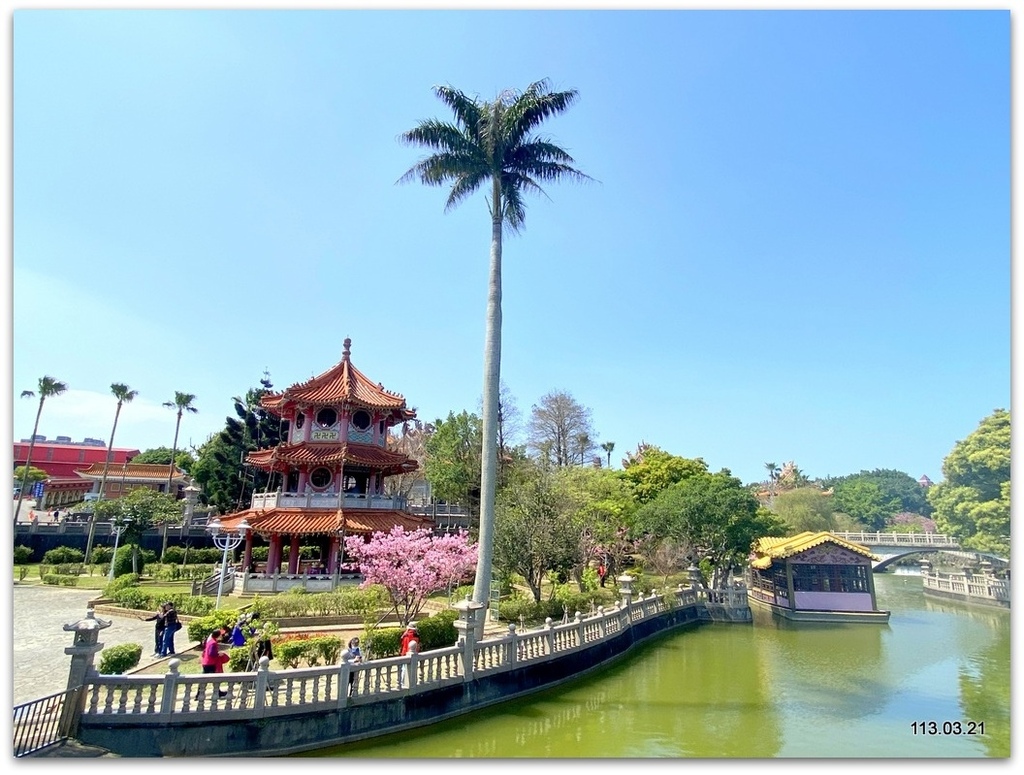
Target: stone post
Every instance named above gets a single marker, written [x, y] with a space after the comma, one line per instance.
[83, 653]
[469, 625]
[513, 648]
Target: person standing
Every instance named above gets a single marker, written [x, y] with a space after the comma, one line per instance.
[159, 629]
[353, 655]
[602, 571]
[171, 626]
[411, 634]
[410, 645]
[213, 659]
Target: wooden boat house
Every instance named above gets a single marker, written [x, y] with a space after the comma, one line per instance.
[814, 577]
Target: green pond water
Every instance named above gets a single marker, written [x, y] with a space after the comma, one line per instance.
[766, 690]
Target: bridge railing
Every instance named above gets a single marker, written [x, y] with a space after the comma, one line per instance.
[900, 539]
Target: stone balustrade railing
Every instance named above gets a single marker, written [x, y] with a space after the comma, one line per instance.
[155, 699]
[317, 500]
[977, 585]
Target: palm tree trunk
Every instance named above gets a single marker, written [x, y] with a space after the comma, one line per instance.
[103, 484]
[492, 379]
[28, 458]
[170, 480]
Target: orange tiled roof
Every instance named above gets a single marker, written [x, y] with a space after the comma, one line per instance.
[776, 548]
[133, 472]
[291, 521]
[312, 454]
[341, 384]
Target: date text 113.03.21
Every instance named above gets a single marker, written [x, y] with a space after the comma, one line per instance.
[948, 727]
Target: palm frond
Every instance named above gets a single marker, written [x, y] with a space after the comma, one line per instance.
[465, 185]
[466, 109]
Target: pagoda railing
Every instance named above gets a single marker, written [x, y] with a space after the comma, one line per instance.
[317, 500]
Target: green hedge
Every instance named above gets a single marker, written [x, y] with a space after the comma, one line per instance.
[22, 555]
[58, 580]
[436, 632]
[316, 650]
[118, 660]
[64, 555]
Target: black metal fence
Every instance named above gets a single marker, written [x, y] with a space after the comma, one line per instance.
[38, 724]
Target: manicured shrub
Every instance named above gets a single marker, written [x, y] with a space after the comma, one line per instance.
[289, 652]
[123, 561]
[322, 650]
[120, 583]
[63, 555]
[118, 660]
[438, 631]
[57, 580]
[199, 629]
[134, 597]
[385, 642]
[101, 555]
[22, 555]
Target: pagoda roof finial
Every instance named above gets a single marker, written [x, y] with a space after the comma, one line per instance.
[346, 349]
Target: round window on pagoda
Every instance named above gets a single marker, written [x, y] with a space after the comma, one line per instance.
[361, 420]
[325, 418]
[320, 478]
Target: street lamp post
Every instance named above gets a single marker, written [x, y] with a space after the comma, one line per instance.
[227, 542]
[118, 529]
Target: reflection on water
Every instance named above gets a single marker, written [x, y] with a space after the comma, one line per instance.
[768, 689]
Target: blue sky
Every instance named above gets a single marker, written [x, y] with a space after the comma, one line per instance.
[797, 245]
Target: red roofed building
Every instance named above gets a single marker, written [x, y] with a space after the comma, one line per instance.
[332, 463]
[62, 459]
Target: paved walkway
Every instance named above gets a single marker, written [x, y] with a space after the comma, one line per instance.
[40, 666]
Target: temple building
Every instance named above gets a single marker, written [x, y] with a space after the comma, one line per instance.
[816, 577]
[332, 465]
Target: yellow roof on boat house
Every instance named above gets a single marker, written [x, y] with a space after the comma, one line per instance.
[774, 548]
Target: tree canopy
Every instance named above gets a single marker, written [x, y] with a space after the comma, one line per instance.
[650, 470]
[537, 529]
[973, 501]
[220, 468]
[715, 516]
[411, 566]
[452, 462]
[561, 431]
[162, 456]
[872, 498]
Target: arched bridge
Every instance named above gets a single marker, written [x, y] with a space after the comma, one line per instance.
[891, 547]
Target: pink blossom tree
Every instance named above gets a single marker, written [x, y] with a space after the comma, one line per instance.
[412, 566]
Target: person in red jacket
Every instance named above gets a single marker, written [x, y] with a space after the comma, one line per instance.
[411, 634]
[212, 659]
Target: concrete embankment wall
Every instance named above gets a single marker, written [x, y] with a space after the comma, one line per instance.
[325, 726]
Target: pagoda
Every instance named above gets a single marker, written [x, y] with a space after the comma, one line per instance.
[332, 464]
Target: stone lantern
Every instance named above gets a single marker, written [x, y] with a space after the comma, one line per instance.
[82, 652]
[625, 582]
[470, 620]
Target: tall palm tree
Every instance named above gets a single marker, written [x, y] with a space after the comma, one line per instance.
[48, 387]
[608, 446]
[492, 141]
[773, 478]
[124, 395]
[183, 403]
